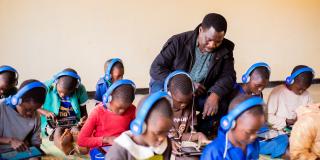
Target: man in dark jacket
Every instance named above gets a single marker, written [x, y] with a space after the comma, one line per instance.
[207, 56]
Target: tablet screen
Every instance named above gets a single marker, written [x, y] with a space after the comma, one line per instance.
[15, 155]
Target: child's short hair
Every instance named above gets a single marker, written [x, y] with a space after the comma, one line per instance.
[304, 78]
[37, 95]
[68, 82]
[255, 111]
[262, 71]
[10, 74]
[124, 93]
[181, 83]
[161, 108]
[116, 65]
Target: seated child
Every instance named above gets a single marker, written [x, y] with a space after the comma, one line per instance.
[109, 119]
[147, 137]
[285, 99]
[19, 121]
[254, 81]
[114, 70]
[305, 134]
[8, 81]
[65, 105]
[241, 124]
[281, 115]
[179, 85]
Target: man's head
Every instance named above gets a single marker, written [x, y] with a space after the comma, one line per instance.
[117, 70]
[66, 85]
[122, 98]
[211, 32]
[259, 78]
[301, 82]
[31, 100]
[8, 80]
[158, 122]
[247, 123]
[181, 89]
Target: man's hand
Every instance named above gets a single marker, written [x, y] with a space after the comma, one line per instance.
[18, 145]
[199, 89]
[211, 105]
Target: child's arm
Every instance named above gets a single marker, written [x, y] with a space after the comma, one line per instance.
[198, 136]
[85, 138]
[272, 108]
[46, 113]
[14, 143]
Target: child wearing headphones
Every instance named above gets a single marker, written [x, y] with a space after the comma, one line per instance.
[254, 81]
[19, 121]
[244, 119]
[281, 110]
[285, 99]
[109, 119]
[113, 71]
[8, 81]
[179, 85]
[64, 110]
[147, 137]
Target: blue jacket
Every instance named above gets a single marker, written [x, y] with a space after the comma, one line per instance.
[101, 88]
[215, 150]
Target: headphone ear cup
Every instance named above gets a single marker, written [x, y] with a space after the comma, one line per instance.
[289, 81]
[144, 127]
[233, 124]
[244, 78]
[109, 99]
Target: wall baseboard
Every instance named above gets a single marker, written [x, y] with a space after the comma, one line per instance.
[146, 90]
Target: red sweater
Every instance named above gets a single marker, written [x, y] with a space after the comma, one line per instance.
[102, 122]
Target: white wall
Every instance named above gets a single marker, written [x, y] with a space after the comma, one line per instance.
[41, 37]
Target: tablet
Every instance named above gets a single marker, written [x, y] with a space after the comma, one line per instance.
[15, 155]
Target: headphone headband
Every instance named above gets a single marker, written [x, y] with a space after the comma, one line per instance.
[10, 69]
[16, 99]
[68, 73]
[109, 68]
[115, 85]
[246, 76]
[171, 75]
[137, 126]
[228, 120]
[290, 79]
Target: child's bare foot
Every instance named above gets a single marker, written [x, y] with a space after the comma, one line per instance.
[64, 141]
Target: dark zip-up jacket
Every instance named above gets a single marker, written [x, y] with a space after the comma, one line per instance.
[178, 53]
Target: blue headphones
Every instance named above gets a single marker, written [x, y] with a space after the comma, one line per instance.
[70, 74]
[171, 75]
[290, 79]
[109, 68]
[16, 99]
[107, 96]
[10, 69]
[246, 76]
[138, 125]
[229, 121]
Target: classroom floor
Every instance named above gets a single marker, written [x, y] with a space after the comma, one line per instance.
[54, 153]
